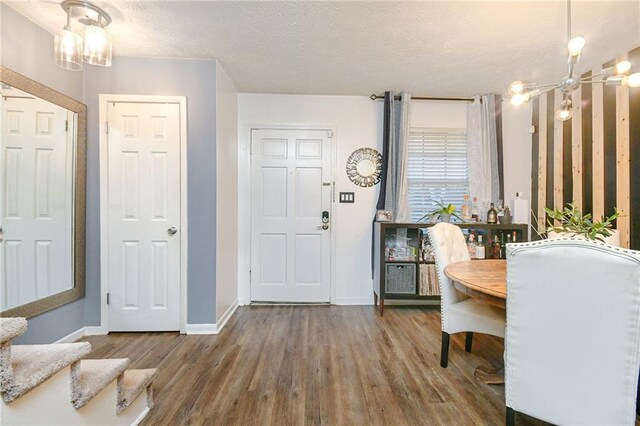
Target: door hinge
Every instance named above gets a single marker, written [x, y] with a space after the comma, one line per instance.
[249, 276]
[330, 134]
[106, 127]
[66, 125]
[107, 298]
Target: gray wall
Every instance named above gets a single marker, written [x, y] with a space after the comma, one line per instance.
[28, 49]
[194, 79]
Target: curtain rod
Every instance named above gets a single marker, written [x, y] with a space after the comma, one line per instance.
[375, 97]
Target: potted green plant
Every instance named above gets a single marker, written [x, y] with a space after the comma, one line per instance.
[443, 212]
[571, 222]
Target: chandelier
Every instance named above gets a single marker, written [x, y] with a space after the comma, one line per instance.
[617, 75]
[72, 50]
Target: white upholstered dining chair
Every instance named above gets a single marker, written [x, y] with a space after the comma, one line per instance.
[573, 332]
[459, 313]
[612, 240]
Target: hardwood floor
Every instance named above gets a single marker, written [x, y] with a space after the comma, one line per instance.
[337, 365]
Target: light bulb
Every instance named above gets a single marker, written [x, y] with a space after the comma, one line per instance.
[518, 99]
[575, 46]
[623, 67]
[516, 87]
[565, 112]
[68, 50]
[633, 80]
[97, 46]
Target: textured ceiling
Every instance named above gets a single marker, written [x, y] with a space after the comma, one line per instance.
[453, 48]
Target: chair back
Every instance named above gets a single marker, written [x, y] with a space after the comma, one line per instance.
[612, 240]
[573, 327]
[449, 246]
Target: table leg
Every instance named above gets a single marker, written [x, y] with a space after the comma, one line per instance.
[490, 376]
[381, 306]
[375, 299]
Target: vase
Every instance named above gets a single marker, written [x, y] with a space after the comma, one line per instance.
[444, 217]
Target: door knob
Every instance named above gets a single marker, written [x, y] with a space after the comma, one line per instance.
[172, 231]
[1, 234]
[325, 221]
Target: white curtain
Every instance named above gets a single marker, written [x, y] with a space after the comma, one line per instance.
[396, 195]
[482, 151]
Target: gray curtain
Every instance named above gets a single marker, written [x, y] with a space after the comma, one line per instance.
[396, 190]
[484, 139]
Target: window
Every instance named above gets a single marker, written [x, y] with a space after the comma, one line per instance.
[438, 169]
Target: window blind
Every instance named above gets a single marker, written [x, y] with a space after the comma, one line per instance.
[438, 169]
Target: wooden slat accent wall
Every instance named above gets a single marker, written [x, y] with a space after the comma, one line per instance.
[597, 128]
[542, 163]
[576, 147]
[594, 159]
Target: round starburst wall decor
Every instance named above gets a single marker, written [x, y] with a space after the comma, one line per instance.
[364, 167]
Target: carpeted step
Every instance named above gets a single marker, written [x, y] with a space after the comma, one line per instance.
[132, 383]
[90, 376]
[33, 364]
[10, 328]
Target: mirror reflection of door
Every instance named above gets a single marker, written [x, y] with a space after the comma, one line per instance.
[36, 198]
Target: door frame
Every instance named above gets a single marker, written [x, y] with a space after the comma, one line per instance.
[245, 135]
[104, 100]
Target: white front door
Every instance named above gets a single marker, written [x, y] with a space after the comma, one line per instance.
[291, 188]
[36, 200]
[143, 216]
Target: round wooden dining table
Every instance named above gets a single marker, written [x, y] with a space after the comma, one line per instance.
[485, 280]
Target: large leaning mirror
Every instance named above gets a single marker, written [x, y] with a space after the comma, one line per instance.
[42, 197]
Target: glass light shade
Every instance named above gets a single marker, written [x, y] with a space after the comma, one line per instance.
[68, 50]
[516, 87]
[623, 67]
[565, 112]
[519, 98]
[575, 46]
[633, 80]
[97, 46]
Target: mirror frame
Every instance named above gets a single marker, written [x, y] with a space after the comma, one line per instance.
[48, 303]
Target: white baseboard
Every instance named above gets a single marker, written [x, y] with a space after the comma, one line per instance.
[353, 301]
[95, 330]
[141, 417]
[195, 329]
[225, 317]
[73, 336]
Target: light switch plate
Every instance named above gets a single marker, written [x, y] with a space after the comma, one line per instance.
[347, 197]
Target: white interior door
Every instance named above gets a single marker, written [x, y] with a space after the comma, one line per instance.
[36, 200]
[290, 252]
[143, 216]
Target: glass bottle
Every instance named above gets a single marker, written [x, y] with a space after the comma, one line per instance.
[480, 248]
[471, 245]
[492, 215]
[475, 214]
[465, 209]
